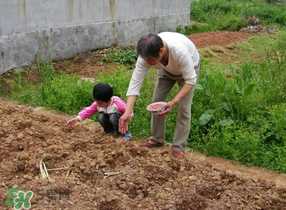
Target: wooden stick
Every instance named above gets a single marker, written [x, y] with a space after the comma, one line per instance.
[58, 169]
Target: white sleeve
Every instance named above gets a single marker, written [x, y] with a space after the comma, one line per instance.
[188, 69]
[137, 79]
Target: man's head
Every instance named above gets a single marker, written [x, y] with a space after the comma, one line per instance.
[151, 48]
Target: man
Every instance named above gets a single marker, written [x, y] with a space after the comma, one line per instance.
[177, 60]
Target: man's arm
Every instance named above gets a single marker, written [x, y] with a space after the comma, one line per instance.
[180, 95]
[130, 104]
[132, 93]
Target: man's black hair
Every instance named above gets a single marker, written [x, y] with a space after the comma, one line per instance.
[102, 92]
[149, 46]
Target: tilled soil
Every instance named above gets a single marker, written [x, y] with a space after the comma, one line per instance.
[222, 38]
[90, 170]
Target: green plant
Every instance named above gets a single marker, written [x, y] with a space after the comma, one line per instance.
[195, 27]
[125, 56]
[233, 14]
[66, 93]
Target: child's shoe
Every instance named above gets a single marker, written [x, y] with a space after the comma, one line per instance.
[127, 136]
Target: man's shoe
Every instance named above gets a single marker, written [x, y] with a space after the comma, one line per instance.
[152, 143]
[177, 152]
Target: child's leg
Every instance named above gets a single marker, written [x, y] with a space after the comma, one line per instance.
[114, 120]
[104, 121]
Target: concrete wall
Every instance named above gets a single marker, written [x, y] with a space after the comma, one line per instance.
[56, 29]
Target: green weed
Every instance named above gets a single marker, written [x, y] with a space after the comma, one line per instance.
[213, 15]
[125, 56]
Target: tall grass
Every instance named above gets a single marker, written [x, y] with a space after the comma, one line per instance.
[57, 91]
[242, 116]
[216, 15]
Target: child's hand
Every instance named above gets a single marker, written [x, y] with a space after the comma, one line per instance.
[72, 122]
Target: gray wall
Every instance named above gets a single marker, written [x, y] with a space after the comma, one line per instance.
[56, 29]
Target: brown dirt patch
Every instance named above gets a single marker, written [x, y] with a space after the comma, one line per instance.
[87, 64]
[207, 39]
[96, 172]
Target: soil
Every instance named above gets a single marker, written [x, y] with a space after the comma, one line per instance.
[86, 65]
[91, 170]
[225, 38]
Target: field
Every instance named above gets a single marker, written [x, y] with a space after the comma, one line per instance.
[90, 170]
[236, 155]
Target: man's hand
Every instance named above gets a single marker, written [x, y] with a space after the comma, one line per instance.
[167, 108]
[123, 122]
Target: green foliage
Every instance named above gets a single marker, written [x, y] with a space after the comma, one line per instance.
[195, 27]
[268, 14]
[259, 141]
[230, 22]
[66, 93]
[61, 92]
[213, 15]
[241, 115]
[125, 56]
[275, 1]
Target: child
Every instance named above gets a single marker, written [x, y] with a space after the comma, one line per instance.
[108, 107]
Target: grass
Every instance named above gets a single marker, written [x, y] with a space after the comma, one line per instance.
[57, 91]
[240, 115]
[243, 118]
[216, 15]
[255, 50]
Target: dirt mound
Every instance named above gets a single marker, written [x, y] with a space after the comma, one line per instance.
[90, 170]
[218, 38]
